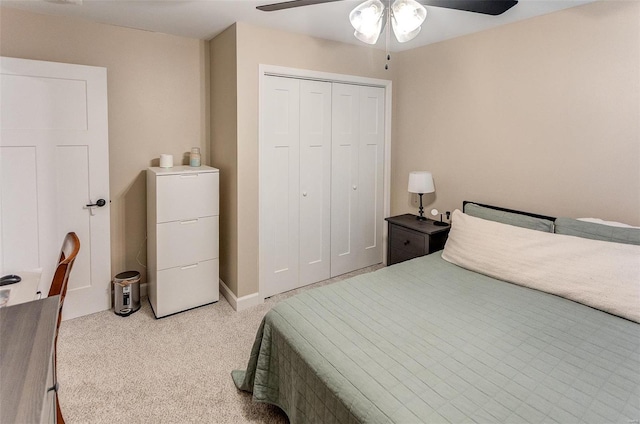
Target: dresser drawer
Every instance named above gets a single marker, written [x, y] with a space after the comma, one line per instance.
[185, 196]
[405, 244]
[186, 242]
[182, 288]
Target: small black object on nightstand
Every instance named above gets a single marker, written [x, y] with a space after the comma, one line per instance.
[410, 238]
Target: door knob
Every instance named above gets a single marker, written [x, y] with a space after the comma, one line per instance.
[91, 206]
[100, 203]
[304, 193]
[355, 187]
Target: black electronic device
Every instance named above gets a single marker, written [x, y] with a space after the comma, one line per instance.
[10, 279]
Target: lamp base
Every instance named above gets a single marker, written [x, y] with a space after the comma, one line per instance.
[421, 216]
[440, 223]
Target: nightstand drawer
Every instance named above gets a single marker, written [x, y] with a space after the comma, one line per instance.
[406, 244]
[410, 238]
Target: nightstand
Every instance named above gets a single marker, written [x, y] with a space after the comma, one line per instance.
[410, 238]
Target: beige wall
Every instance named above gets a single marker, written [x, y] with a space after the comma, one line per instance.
[541, 115]
[255, 46]
[158, 103]
[224, 152]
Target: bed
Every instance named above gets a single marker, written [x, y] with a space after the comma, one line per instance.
[440, 341]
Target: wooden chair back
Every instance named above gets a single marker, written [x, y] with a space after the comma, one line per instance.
[68, 253]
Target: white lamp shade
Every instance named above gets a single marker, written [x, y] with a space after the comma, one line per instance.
[421, 182]
[371, 38]
[408, 36]
[406, 18]
[367, 20]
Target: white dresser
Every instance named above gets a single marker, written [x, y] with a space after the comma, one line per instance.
[182, 238]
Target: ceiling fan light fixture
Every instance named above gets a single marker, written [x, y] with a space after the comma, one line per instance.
[407, 17]
[367, 20]
[403, 37]
[367, 38]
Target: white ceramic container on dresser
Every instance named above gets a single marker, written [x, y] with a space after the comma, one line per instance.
[182, 238]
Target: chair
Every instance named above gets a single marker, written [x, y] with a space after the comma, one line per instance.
[68, 253]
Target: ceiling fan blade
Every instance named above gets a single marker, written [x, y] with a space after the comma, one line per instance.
[290, 4]
[487, 7]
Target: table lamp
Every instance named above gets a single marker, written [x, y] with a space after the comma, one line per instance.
[421, 182]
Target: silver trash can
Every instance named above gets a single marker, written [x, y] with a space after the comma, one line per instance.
[126, 293]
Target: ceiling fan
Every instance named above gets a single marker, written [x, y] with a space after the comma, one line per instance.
[404, 17]
[487, 7]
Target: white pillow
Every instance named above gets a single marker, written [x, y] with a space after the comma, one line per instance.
[600, 274]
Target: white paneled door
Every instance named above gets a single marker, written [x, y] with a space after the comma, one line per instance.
[321, 180]
[370, 177]
[280, 185]
[295, 184]
[53, 166]
[315, 181]
[357, 168]
[344, 183]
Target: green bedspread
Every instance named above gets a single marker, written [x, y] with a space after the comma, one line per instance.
[427, 341]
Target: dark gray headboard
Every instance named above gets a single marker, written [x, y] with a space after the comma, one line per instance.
[535, 215]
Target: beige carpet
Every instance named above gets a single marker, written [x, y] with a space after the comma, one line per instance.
[172, 370]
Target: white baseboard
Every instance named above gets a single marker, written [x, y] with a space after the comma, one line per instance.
[240, 303]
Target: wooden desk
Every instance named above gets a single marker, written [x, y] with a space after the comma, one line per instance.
[26, 290]
[27, 340]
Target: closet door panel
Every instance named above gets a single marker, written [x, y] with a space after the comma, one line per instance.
[280, 180]
[370, 175]
[368, 158]
[315, 181]
[321, 181]
[344, 174]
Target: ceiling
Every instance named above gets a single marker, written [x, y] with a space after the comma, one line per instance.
[204, 19]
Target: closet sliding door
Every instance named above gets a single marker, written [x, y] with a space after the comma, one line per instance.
[370, 177]
[357, 177]
[280, 185]
[315, 181]
[321, 180]
[295, 183]
[344, 183]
